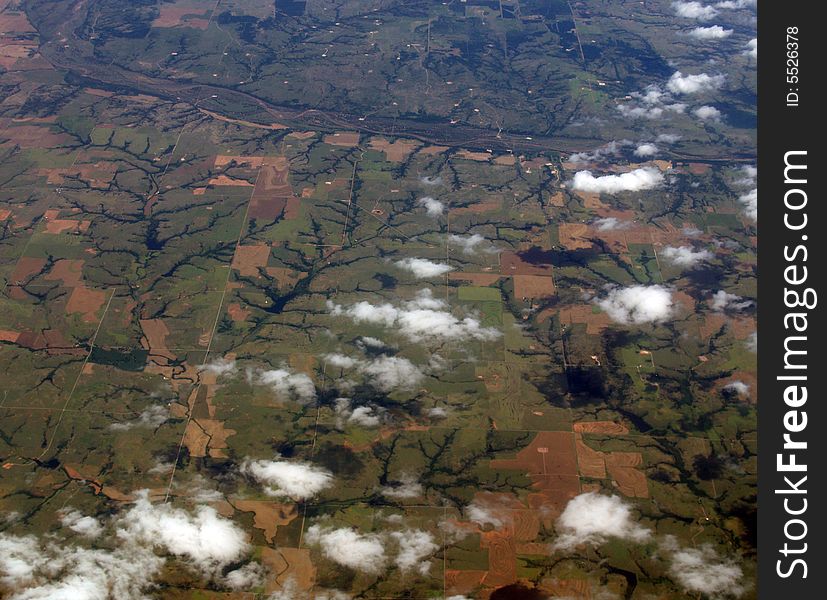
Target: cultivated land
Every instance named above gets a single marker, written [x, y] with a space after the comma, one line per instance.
[195, 194]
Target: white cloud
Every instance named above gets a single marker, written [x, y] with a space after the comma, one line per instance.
[422, 268]
[748, 175]
[640, 112]
[593, 518]
[433, 207]
[610, 224]
[694, 84]
[437, 412]
[694, 10]
[386, 373]
[424, 318]
[392, 372]
[644, 178]
[285, 383]
[645, 150]
[738, 387]
[209, 541]
[750, 202]
[150, 418]
[752, 342]
[482, 515]
[715, 32]
[752, 48]
[221, 366]
[349, 548]
[362, 416]
[371, 342]
[294, 479]
[707, 113]
[472, 244]
[405, 488]
[430, 180]
[736, 4]
[53, 570]
[610, 149]
[668, 138]
[685, 256]
[84, 525]
[701, 570]
[723, 300]
[638, 304]
[246, 577]
[414, 546]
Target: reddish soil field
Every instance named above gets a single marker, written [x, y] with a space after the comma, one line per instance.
[603, 427]
[248, 259]
[87, 302]
[582, 313]
[25, 268]
[533, 286]
[272, 190]
[512, 264]
[346, 139]
[70, 272]
[394, 151]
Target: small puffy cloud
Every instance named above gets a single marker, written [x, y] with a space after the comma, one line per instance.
[736, 4]
[246, 577]
[347, 547]
[707, 113]
[638, 304]
[385, 373]
[437, 412]
[405, 488]
[610, 224]
[694, 84]
[645, 178]
[610, 149]
[424, 318]
[750, 202]
[593, 518]
[422, 268]
[738, 388]
[752, 48]
[482, 515]
[371, 342]
[685, 256]
[646, 150]
[752, 342]
[472, 244]
[715, 32]
[286, 384]
[694, 10]
[668, 138]
[433, 207]
[221, 367]
[392, 372]
[362, 416]
[150, 418]
[294, 479]
[414, 546]
[723, 300]
[81, 524]
[207, 540]
[748, 174]
[700, 570]
[430, 180]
